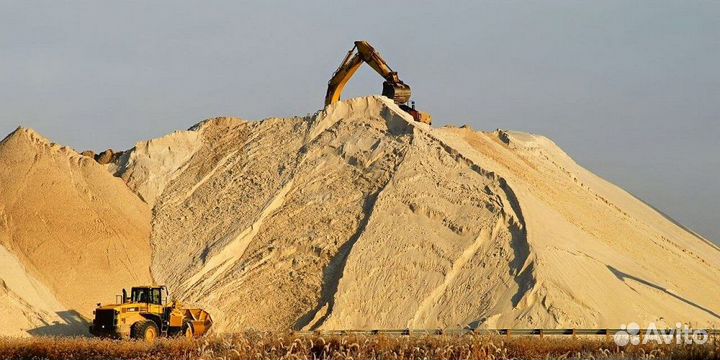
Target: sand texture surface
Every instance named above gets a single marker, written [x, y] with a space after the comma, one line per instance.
[353, 218]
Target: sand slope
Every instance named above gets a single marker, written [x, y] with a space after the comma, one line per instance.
[358, 217]
[602, 257]
[25, 303]
[74, 231]
[353, 218]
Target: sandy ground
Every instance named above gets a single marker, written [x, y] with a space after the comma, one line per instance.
[359, 218]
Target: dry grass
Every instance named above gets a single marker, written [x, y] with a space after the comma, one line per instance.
[288, 346]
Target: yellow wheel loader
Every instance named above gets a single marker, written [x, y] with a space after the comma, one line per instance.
[393, 87]
[146, 314]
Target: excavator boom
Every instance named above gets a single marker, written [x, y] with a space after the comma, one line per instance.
[373, 58]
[393, 87]
[342, 75]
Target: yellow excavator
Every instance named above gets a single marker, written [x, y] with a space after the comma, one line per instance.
[393, 87]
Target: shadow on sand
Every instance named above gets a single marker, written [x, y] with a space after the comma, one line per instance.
[622, 276]
[72, 324]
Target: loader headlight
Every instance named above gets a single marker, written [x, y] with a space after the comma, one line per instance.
[132, 309]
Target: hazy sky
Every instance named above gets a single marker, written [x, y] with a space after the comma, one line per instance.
[630, 89]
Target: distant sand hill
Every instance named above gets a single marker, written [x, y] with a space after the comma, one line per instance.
[353, 218]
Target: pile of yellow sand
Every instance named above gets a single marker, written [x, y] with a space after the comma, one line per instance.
[354, 218]
[71, 235]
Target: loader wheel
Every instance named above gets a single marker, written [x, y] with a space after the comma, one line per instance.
[187, 330]
[144, 330]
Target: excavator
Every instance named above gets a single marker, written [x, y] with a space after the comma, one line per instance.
[393, 87]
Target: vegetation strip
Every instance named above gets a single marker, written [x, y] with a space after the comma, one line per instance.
[295, 346]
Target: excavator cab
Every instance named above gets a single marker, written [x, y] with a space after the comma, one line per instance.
[419, 116]
[393, 87]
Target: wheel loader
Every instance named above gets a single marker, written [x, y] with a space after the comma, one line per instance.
[393, 87]
[147, 313]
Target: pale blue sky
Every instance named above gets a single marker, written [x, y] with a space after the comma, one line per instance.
[630, 89]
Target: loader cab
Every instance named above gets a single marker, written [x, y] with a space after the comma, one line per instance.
[157, 295]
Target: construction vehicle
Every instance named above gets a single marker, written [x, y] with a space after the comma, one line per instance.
[147, 314]
[393, 87]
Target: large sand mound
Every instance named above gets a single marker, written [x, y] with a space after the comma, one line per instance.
[359, 218]
[71, 235]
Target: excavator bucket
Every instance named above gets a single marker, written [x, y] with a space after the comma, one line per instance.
[398, 91]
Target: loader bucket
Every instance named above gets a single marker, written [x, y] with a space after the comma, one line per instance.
[200, 319]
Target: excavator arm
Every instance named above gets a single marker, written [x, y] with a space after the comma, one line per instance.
[342, 75]
[373, 58]
[393, 87]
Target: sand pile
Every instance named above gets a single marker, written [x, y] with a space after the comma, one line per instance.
[71, 235]
[359, 218]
